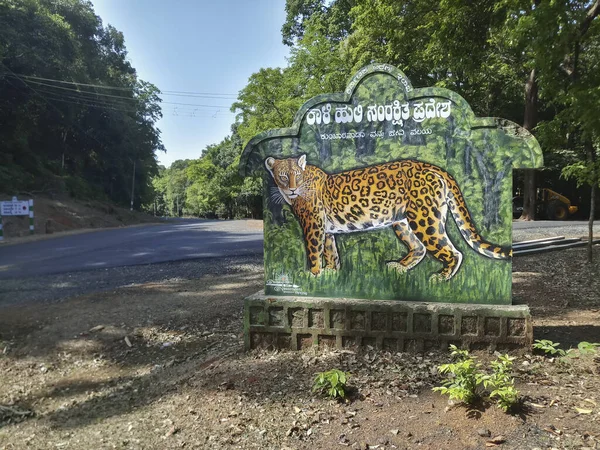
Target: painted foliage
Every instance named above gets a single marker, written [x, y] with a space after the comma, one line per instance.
[390, 192]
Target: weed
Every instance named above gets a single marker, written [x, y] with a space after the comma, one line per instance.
[501, 383]
[587, 348]
[332, 383]
[465, 377]
[549, 347]
[467, 382]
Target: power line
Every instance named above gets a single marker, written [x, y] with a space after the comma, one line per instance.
[111, 106]
[122, 98]
[184, 93]
[109, 102]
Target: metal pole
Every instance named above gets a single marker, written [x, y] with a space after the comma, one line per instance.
[31, 225]
[132, 185]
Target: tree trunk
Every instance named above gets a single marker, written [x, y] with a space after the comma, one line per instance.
[591, 153]
[529, 123]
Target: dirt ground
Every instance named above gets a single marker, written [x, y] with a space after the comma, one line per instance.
[66, 215]
[161, 366]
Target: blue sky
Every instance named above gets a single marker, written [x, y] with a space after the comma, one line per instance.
[198, 46]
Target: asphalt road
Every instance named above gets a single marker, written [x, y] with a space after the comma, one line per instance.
[178, 240]
[184, 239]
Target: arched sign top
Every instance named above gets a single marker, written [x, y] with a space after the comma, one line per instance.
[401, 102]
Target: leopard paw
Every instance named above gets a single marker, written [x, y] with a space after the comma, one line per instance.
[316, 273]
[438, 278]
[400, 268]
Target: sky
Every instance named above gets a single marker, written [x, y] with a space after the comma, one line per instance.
[202, 46]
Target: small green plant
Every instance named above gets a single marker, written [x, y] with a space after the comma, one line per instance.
[501, 383]
[549, 347]
[468, 382]
[586, 348]
[465, 377]
[332, 383]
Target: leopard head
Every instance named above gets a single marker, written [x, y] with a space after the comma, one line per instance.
[288, 175]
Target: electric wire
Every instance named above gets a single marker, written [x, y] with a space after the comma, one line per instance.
[125, 98]
[167, 92]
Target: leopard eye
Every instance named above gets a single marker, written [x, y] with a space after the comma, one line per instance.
[283, 178]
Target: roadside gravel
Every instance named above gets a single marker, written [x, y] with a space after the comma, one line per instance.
[575, 230]
[51, 288]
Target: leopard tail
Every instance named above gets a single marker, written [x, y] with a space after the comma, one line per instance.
[465, 224]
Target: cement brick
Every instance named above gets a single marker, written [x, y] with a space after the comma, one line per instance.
[303, 322]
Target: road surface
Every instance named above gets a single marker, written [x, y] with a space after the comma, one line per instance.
[177, 240]
[183, 239]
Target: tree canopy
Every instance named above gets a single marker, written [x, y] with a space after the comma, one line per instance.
[74, 114]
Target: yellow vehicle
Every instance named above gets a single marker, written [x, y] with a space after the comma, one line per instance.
[549, 204]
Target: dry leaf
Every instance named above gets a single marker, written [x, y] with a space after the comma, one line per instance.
[583, 411]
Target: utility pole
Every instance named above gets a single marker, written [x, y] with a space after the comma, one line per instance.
[132, 185]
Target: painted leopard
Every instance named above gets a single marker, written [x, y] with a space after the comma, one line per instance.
[410, 196]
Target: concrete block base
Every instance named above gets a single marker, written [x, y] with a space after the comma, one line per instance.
[297, 323]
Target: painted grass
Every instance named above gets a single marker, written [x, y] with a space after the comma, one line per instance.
[364, 273]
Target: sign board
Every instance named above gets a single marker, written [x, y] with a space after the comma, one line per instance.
[387, 192]
[14, 208]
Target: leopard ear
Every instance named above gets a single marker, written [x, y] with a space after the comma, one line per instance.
[269, 163]
[302, 162]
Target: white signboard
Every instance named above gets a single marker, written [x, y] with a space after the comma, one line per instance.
[14, 208]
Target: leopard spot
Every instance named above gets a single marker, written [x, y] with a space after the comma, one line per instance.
[336, 194]
[364, 202]
[374, 216]
[380, 185]
[382, 194]
[422, 222]
[355, 185]
[428, 201]
[371, 180]
[367, 225]
[356, 210]
[373, 170]
[353, 197]
[339, 219]
[350, 218]
[346, 190]
[365, 191]
[376, 208]
[420, 202]
[417, 183]
[430, 221]
[314, 242]
[424, 190]
[345, 200]
[430, 231]
[411, 215]
[414, 193]
[385, 212]
[377, 201]
[437, 213]
[419, 236]
[381, 176]
[413, 224]
[394, 166]
[351, 227]
[392, 195]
